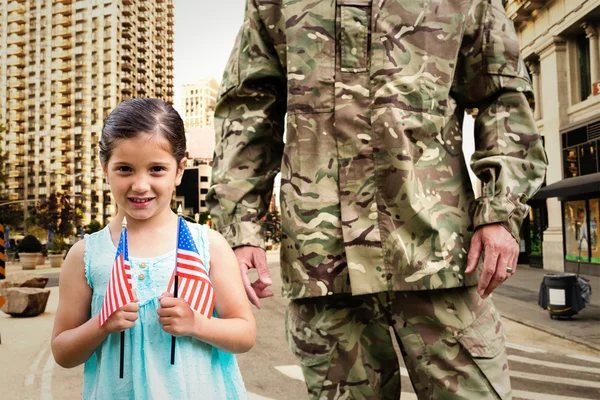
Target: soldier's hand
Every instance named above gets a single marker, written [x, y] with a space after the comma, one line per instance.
[254, 257]
[500, 254]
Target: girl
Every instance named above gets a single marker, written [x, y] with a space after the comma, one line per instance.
[142, 152]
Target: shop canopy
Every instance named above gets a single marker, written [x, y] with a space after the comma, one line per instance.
[570, 187]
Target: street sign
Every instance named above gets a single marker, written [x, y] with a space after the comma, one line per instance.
[596, 88]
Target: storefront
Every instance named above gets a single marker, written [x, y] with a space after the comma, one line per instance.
[579, 194]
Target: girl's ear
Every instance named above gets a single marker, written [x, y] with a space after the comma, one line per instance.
[180, 171]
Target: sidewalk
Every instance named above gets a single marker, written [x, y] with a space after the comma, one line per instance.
[516, 299]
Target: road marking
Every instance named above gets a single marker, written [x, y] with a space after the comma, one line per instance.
[254, 396]
[585, 358]
[554, 379]
[524, 348]
[295, 372]
[543, 396]
[46, 387]
[291, 371]
[30, 378]
[550, 364]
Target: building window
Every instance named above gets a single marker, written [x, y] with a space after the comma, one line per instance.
[570, 162]
[204, 179]
[587, 158]
[203, 204]
[576, 234]
[583, 58]
[203, 191]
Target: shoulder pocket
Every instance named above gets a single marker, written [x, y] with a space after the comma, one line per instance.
[231, 75]
[500, 43]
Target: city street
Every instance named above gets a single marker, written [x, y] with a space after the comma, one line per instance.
[542, 366]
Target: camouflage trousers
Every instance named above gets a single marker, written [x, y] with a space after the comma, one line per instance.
[452, 342]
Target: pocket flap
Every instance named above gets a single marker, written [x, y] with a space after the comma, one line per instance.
[485, 337]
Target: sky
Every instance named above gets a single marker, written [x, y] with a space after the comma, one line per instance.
[205, 31]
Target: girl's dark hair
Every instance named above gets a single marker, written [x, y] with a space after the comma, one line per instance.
[134, 117]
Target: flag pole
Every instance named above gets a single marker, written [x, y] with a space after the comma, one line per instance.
[125, 245]
[176, 281]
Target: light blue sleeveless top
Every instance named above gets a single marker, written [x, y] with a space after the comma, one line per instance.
[201, 371]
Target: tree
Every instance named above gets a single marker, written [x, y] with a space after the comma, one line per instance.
[57, 214]
[93, 226]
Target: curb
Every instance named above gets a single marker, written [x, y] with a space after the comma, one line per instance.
[551, 331]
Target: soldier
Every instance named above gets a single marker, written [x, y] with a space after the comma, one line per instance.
[380, 225]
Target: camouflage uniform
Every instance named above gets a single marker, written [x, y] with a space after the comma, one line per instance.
[375, 191]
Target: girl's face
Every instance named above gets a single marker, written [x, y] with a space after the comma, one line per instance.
[142, 174]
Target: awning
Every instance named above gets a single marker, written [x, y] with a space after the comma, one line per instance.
[570, 187]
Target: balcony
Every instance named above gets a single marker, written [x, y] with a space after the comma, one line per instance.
[16, 83]
[64, 89]
[61, 54]
[126, 66]
[61, 65]
[61, 20]
[15, 50]
[16, 39]
[62, 43]
[15, 17]
[15, 116]
[61, 31]
[15, 94]
[16, 7]
[61, 9]
[18, 28]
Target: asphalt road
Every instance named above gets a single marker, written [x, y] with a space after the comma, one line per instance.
[542, 366]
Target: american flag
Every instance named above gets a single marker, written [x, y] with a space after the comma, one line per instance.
[194, 285]
[119, 291]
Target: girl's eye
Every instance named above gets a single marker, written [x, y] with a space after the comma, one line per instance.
[124, 169]
[158, 168]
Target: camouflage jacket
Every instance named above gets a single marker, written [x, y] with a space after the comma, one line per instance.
[375, 191]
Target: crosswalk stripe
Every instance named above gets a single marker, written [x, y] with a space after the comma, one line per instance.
[554, 379]
[584, 358]
[570, 367]
[522, 394]
[524, 348]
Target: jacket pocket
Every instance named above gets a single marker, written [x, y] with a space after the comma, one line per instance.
[313, 347]
[354, 38]
[500, 43]
[310, 51]
[485, 342]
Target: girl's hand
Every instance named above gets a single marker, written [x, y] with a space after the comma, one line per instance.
[123, 318]
[176, 316]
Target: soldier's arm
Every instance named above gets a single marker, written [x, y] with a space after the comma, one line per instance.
[509, 157]
[249, 118]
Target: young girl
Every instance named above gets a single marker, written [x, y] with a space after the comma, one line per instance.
[142, 151]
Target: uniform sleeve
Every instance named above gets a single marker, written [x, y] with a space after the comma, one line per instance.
[509, 157]
[249, 117]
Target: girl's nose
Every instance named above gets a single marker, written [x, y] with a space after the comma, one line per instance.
[140, 186]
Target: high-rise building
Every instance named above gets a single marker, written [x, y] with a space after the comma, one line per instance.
[64, 65]
[198, 103]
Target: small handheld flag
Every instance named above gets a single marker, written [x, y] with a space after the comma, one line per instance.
[194, 283]
[119, 291]
[190, 280]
